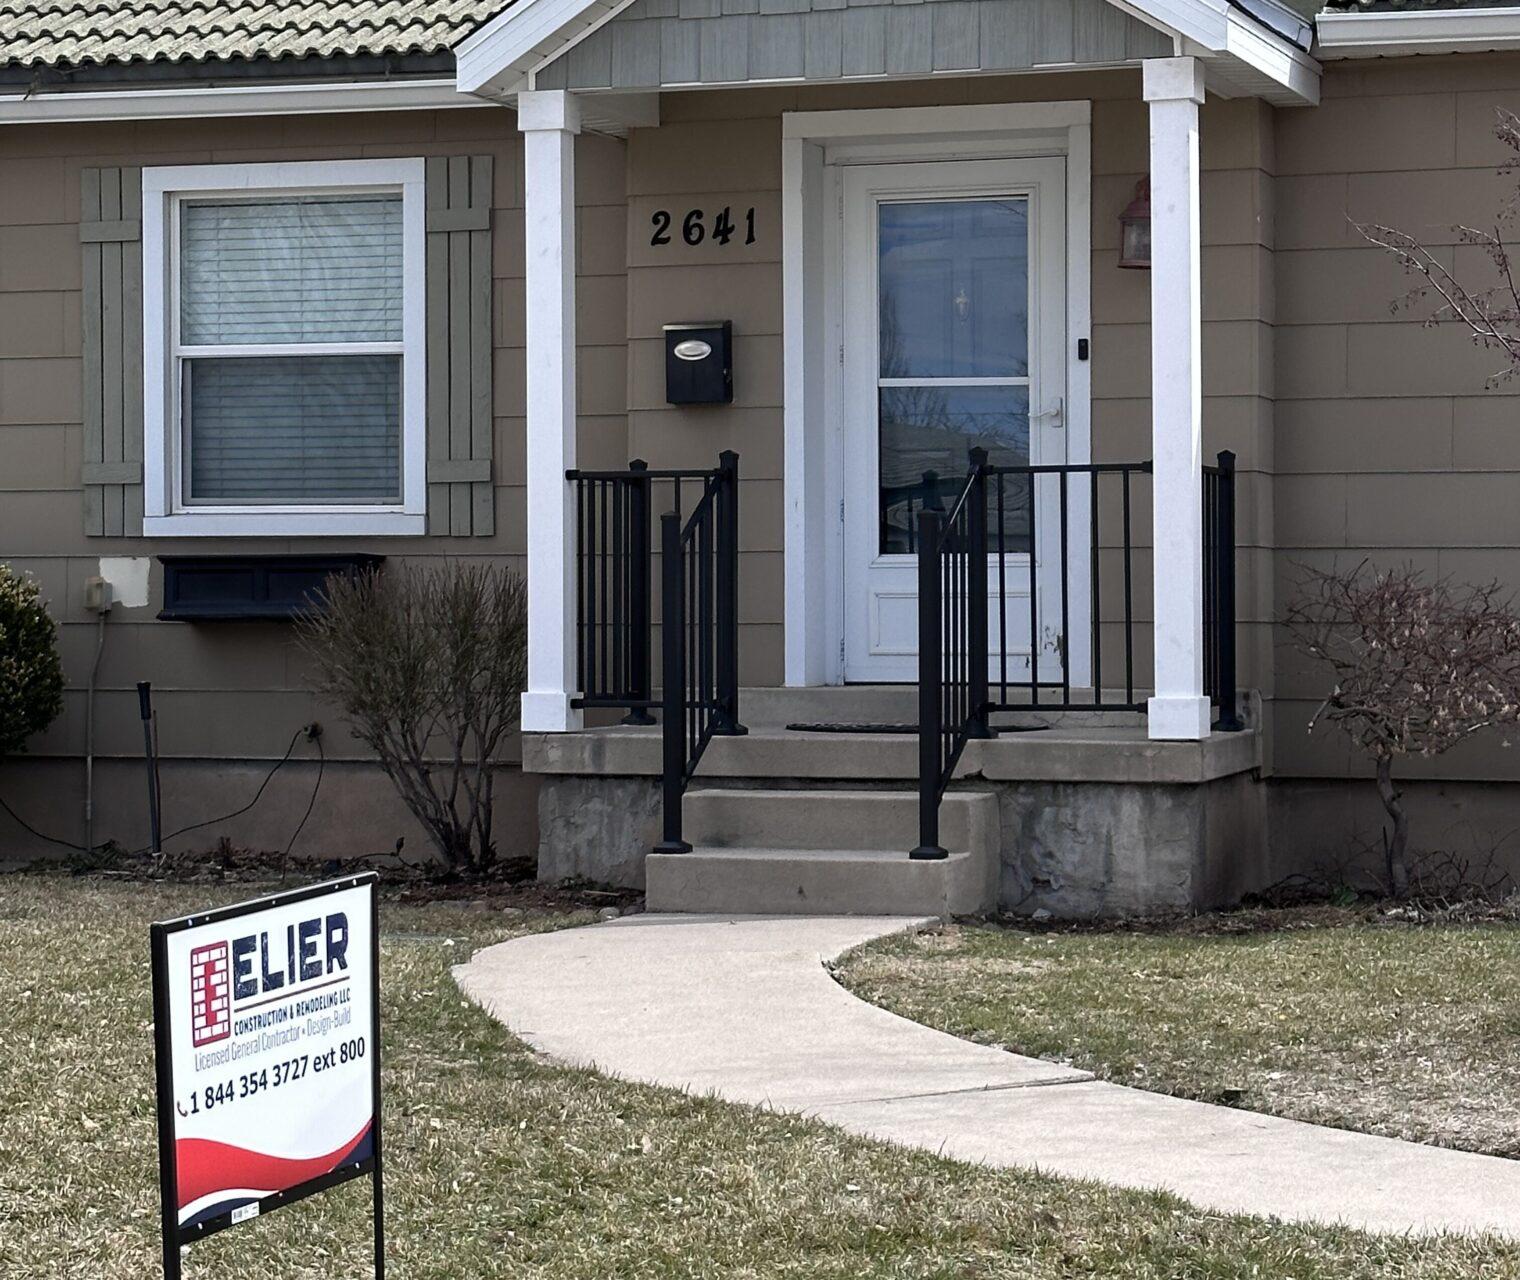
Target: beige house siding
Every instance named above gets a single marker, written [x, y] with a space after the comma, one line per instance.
[1359, 433]
[723, 148]
[1389, 447]
[236, 691]
[723, 156]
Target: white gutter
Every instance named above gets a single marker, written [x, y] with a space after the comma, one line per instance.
[74, 105]
[1396, 34]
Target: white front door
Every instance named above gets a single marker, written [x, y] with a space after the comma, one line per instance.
[954, 335]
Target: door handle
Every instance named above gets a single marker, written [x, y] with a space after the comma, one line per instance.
[1056, 417]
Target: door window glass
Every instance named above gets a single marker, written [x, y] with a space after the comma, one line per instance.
[953, 368]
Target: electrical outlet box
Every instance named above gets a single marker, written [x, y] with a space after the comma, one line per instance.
[97, 595]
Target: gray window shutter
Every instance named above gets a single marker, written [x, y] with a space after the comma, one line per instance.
[459, 426]
[110, 234]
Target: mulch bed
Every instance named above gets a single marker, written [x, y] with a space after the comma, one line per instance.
[511, 883]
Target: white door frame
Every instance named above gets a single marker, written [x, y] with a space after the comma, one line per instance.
[815, 145]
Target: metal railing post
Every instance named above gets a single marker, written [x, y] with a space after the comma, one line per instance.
[1224, 595]
[726, 719]
[976, 602]
[930, 678]
[673, 680]
[641, 573]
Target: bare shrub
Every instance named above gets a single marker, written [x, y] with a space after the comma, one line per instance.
[427, 666]
[1418, 667]
[1489, 310]
[1448, 877]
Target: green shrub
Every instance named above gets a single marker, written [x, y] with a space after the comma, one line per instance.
[31, 677]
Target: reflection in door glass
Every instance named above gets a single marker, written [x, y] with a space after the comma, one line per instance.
[953, 281]
[926, 433]
[953, 342]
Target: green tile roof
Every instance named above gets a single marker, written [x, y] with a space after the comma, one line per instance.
[79, 32]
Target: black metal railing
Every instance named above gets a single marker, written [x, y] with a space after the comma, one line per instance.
[614, 580]
[1219, 591]
[952, 643]
[969, 666]
[699, 636]
[1021, 501]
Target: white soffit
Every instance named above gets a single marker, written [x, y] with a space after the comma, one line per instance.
[1372, 35]
[1245, 57]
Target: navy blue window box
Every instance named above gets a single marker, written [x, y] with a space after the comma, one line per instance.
[249, 588]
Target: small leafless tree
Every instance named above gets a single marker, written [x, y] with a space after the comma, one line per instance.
[427, 666]
[1418, 667]
[1490, 311]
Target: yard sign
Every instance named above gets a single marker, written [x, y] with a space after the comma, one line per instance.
[266, 1030]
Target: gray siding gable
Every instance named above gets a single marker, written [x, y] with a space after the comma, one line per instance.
[658, 43]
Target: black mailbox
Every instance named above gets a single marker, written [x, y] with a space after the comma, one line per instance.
[699, 365]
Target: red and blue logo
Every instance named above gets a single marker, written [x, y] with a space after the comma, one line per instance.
[210, 996]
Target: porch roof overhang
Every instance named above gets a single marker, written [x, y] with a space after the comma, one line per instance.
[1243, 55]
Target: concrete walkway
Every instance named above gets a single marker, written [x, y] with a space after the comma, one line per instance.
[743, 1008]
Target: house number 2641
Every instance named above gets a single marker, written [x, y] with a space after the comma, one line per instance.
[694, 228]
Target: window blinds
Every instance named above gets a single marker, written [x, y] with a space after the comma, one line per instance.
[270, 425]
[293, 270]
[300, 430]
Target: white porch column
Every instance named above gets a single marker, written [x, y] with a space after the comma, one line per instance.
[1174, 90]
[549, 120]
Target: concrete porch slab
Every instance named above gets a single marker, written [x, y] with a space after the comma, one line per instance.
[1061, 753]
[743, 1008]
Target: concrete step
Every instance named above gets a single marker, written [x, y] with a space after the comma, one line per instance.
[769, 881]
[730, 817]
[826, 852]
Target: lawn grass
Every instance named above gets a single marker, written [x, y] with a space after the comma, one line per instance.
[1359, 1019]
[500, 1165]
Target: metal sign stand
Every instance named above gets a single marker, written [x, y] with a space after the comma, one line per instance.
[176, 1237]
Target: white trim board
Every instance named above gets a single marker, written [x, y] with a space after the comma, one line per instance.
[187, 104]
[990, 124]
[549, 122]
[815, 146]
[163, 513]
[1371, 35]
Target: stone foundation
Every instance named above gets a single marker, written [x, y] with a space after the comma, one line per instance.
[1084, 850]
[597, 829]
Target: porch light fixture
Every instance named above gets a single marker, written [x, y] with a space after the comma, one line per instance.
[1135, 229]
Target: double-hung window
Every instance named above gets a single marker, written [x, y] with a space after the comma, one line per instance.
[284, 380]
